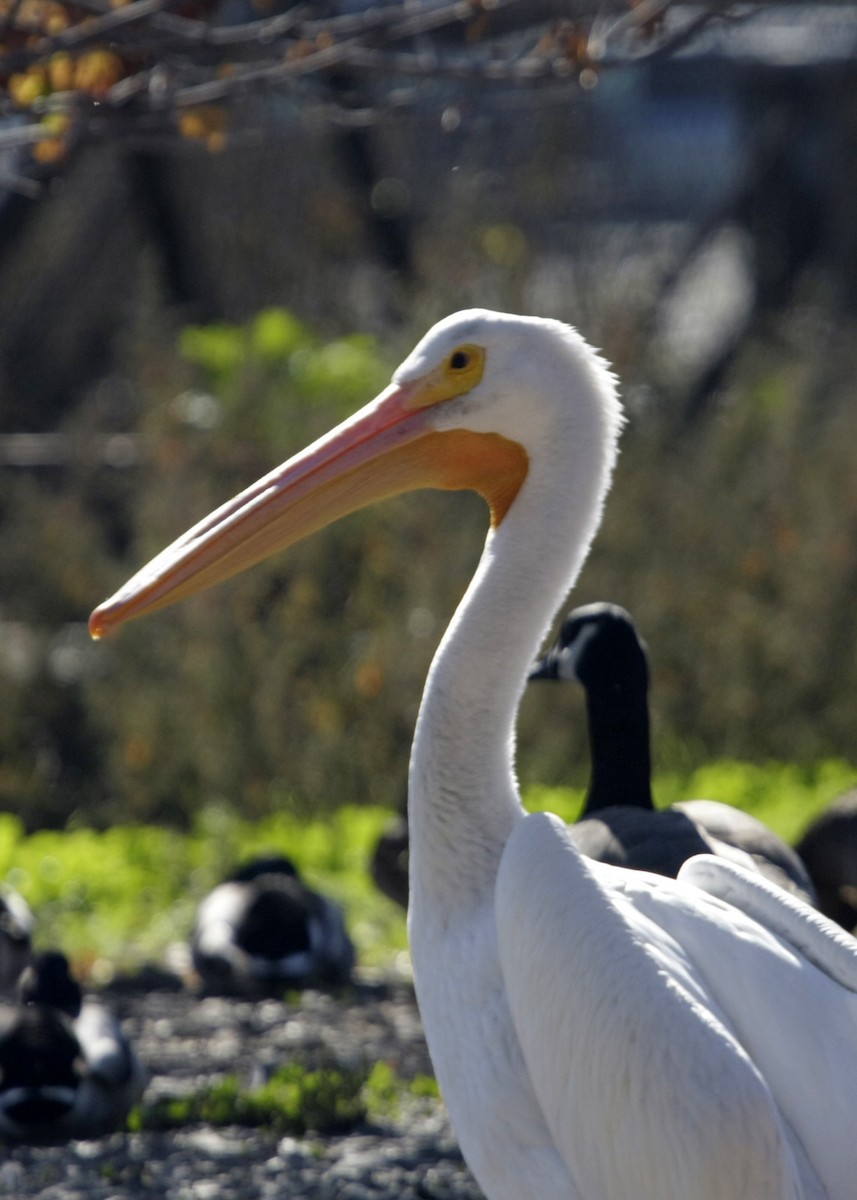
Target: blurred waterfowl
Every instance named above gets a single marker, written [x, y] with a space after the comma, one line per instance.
[67, 1069]
[599, 648]
[597, 1032]
[263, 928]
[389, 865]
[828, 849]
[16, 932]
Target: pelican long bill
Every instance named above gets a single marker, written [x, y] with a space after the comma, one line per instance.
[387, 448]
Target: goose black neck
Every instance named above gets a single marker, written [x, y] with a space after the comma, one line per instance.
[619, 745]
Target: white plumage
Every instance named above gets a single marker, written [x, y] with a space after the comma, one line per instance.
[598, 1034]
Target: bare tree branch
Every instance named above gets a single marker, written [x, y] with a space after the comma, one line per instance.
[156, 64]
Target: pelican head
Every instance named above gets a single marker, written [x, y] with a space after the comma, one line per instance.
[468, 408]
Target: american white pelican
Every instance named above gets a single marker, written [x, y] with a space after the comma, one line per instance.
[264, 928]
[598, 1034]
[66, 1068]
[599, 648]
[829, 849]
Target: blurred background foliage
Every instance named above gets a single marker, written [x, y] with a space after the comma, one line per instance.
[174, 323]
[734, 544]
[285, 685]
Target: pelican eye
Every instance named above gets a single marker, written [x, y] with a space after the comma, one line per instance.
[463, 368]
[466, 362]
[454, 375]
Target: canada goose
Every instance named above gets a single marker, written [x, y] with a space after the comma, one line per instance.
[599, 648]
[16, 933]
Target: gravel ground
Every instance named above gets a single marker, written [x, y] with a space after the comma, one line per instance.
[185, 1041]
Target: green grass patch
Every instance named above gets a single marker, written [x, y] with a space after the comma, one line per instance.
[786, 797]
[117, 898]
[296, 1099]
[386, 1093]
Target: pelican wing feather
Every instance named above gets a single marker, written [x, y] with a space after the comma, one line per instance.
[670, 1070]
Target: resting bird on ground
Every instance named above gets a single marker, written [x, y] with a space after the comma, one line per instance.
[829, 852]
[16, 932]
[599, 648]
[66, 1068]
[389, 863]
[597, 1033]
[264, 928]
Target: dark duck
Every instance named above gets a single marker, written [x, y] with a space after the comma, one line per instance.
[67, 1069]
[263, 929]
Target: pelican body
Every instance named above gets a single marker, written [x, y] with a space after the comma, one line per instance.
[597, 1033]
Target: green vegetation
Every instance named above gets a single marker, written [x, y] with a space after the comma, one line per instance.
[296, 1099]
[785, 796]
[293, 1100]
[117, 898]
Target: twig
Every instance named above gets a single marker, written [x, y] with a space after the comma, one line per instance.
[293, 46]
